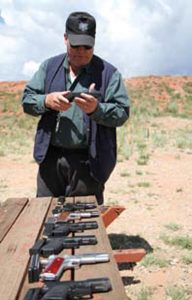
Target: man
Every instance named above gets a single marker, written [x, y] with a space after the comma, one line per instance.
[75, 144]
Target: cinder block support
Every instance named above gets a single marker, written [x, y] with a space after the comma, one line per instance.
[110, 213]
[129, 255]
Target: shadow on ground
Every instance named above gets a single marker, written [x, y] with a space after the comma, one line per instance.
[123, 241]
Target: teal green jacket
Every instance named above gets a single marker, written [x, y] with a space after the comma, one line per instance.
[112, 109]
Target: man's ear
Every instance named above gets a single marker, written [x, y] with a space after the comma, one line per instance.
[65, 38]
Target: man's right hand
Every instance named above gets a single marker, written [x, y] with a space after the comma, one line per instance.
[57, 101]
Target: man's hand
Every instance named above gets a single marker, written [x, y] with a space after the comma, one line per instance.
[57, 101]
[87, 103]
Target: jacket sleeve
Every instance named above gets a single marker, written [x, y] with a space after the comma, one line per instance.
[114, 111]
[33, 99]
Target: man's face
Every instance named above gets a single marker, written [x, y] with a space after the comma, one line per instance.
[78, 56]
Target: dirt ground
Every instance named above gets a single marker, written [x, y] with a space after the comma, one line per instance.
[155, 195]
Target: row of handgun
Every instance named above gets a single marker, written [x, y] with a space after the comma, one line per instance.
[47, 266]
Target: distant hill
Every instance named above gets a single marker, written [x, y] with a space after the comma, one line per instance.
[171, 93]
[12, 86]
[151, 97]
[165, 90]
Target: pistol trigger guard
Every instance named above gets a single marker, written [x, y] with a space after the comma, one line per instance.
[74, 264]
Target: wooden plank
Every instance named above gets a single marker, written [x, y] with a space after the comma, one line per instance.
[91, 271]
[109, 269]
[9, 212]
[14, 250]
[66, 276]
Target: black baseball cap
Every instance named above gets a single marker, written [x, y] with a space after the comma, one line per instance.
[81, 29]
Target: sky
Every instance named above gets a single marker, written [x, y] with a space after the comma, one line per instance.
[139, 37]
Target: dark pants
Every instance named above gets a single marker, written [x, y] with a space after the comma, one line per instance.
[67, 173]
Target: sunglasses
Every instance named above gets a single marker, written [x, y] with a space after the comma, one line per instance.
[84, 46]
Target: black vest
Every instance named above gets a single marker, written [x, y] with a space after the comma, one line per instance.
[102, 139]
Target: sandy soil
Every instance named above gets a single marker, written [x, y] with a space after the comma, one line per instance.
[155, 195]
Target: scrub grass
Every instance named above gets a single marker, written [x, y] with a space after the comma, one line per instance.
[145, 293]
[153, 260]
[173, 226]
[16, 128]
[184, 242]
[140, 136]
[177, 293]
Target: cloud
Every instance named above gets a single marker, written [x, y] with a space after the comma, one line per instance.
[139, 37]
[2, 21]
[29, 68]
